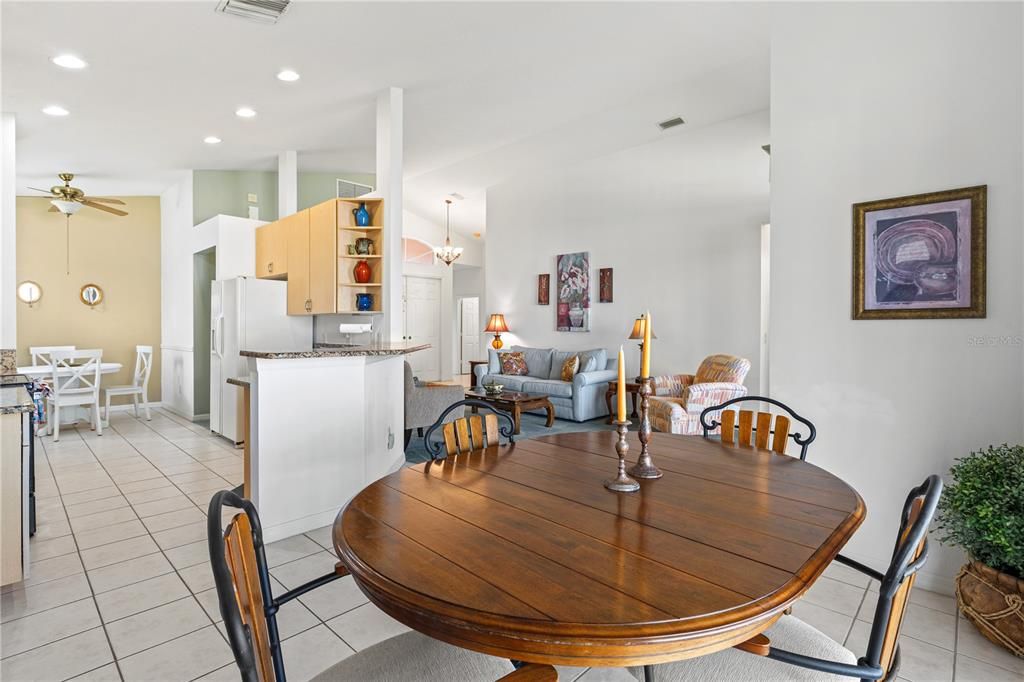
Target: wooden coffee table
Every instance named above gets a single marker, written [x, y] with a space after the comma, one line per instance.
[515, 402]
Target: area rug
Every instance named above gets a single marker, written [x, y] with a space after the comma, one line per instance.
[531, 426]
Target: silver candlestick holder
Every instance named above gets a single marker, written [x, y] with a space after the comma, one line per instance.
[622, 483]
[644, 467]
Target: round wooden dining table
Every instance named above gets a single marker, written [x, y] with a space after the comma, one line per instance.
[520, 552]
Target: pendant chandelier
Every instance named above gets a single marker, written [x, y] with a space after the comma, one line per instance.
[447, 254]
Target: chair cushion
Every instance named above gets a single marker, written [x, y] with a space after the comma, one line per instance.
[414, 657]
[513, 363]
[732, 665]
[538, 360]
[552, 387]
[722, 368]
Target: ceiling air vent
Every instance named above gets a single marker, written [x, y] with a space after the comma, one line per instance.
[264, 11]
[671, 123]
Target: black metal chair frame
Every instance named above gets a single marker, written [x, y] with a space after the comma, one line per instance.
[239, 635]
[435, 448]
[902, 566]
[797, 437]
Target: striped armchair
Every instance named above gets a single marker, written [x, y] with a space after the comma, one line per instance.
[678, 399]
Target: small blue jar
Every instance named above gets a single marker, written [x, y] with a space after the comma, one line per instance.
[364, 302]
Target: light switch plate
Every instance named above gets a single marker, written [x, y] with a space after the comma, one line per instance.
[254, 212]
[252, 198]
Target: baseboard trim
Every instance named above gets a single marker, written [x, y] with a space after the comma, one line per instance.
[128, 407]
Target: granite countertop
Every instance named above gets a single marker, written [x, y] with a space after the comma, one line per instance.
[15, 399]
[339, 351]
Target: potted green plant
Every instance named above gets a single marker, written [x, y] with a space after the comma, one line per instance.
[982, 511]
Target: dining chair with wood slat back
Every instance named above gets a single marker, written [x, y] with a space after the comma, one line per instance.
[756, 429]
[468, 433]
[249, 610]
[820, 657]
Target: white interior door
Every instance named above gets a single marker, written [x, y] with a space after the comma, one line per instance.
[469, 332]
[423, 325]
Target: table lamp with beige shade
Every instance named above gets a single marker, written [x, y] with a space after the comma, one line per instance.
[496, 325]
[638, 333]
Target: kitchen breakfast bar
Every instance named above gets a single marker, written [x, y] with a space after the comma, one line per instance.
[323, 424]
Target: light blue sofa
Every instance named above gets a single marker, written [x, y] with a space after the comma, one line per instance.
[578, 400]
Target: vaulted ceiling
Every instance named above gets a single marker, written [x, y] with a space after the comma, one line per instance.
[491, 89]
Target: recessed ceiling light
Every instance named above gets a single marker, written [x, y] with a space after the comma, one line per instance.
[69, 61]
[211, 139]
[245, 112]
[54, 110]
[288, 76]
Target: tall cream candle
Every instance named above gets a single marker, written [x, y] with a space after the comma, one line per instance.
[622, 385]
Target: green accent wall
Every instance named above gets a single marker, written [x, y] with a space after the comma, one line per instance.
[215, 192]
[226, 192]
[316, 188]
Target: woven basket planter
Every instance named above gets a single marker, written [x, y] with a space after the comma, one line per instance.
[994, 602]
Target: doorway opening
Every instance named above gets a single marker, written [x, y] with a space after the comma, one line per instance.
[468, 311]
[766, 270]
[204, 270]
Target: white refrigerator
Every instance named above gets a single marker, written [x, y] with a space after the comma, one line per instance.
[247, 314]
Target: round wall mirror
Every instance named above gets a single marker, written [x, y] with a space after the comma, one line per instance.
[29, 292]
[91, 295]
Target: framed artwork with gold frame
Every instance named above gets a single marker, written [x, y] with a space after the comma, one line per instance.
[920, 256]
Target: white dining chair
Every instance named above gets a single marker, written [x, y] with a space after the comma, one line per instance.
[75, 383]
[139, 386]
[41, 354]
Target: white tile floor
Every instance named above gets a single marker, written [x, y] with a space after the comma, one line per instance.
[121, 588]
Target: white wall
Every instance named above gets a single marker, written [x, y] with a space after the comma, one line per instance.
[8, 237]
[176, 296]
[873, 101]
[678, 220]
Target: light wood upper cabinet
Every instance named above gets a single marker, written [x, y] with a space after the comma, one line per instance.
[311, 250]
[272, 251]
[323, 258]
[297, 230]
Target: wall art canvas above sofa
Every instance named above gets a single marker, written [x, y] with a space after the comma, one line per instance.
[920, 256]
[573, 282]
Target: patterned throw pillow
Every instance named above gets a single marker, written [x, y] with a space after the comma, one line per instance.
[570, 367]
[513, 363]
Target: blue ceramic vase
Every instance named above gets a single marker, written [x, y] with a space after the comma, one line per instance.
[364, 301]
[362, 215]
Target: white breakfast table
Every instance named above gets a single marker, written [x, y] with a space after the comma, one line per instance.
[45, 372]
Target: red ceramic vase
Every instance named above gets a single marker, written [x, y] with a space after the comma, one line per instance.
[362, 272]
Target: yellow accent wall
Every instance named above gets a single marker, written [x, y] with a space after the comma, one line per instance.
[121, 255]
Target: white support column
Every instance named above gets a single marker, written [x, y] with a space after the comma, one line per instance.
[8, 237]
[287, 183]
[389, 187]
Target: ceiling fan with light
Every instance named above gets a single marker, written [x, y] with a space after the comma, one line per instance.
[68, 200]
